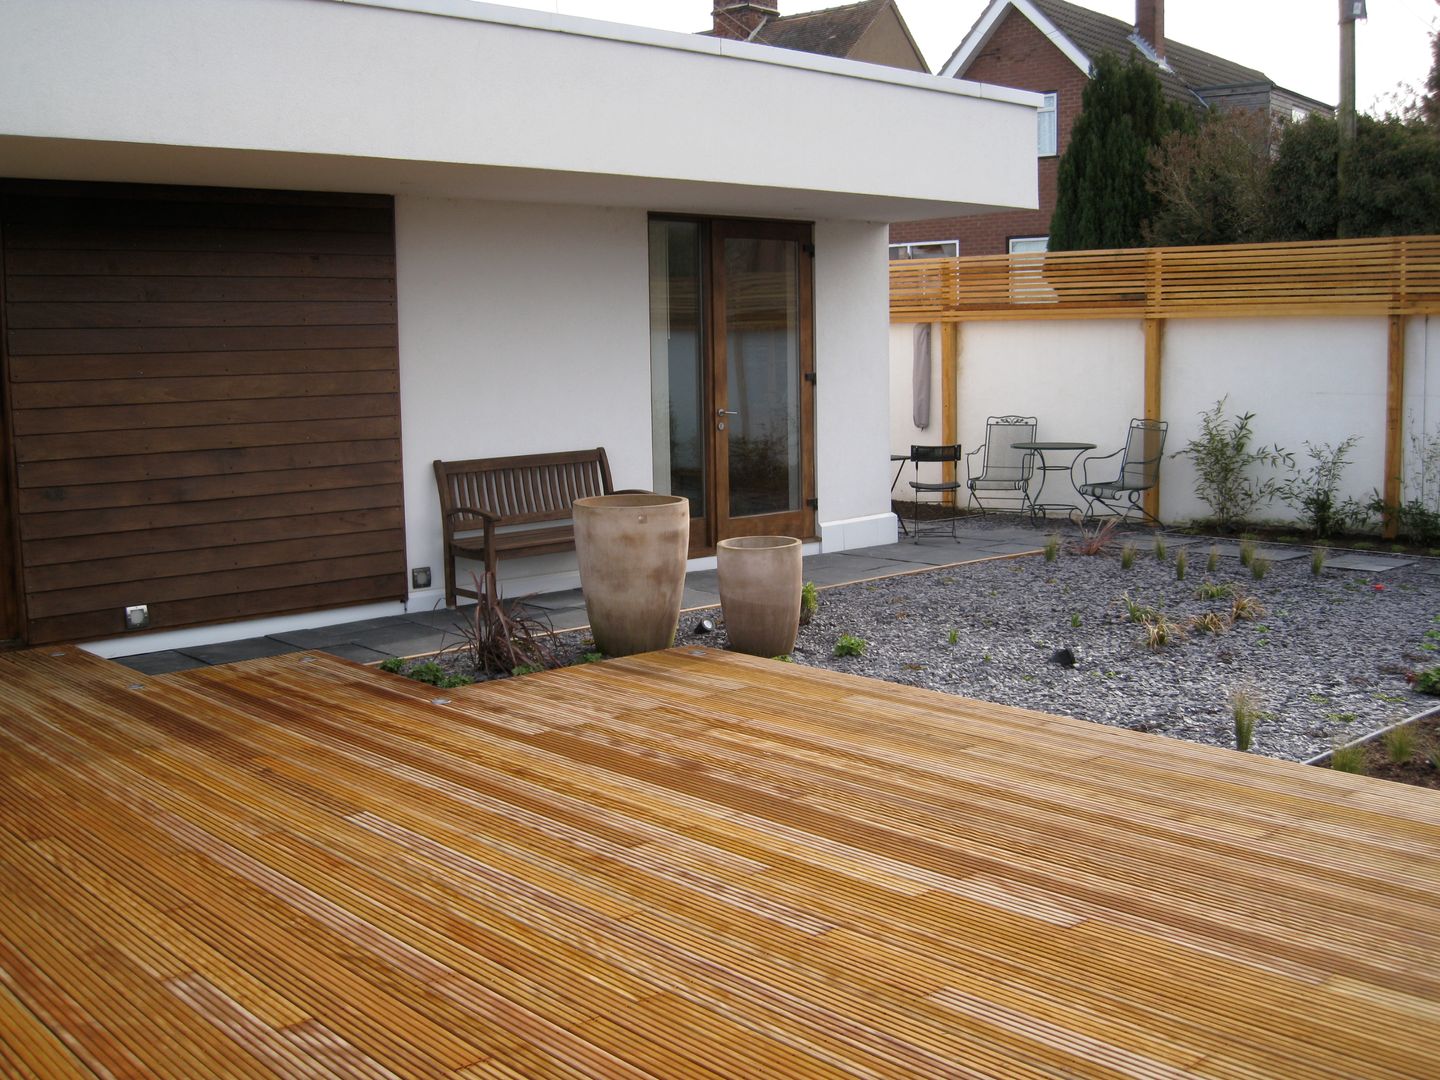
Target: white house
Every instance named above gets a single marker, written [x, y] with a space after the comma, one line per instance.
[265, 260]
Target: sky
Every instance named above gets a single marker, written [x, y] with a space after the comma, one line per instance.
[1295, 42]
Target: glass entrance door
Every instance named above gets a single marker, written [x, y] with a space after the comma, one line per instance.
[732, 393]
[761, 354]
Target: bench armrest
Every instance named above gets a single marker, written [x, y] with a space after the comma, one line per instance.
[489, 520]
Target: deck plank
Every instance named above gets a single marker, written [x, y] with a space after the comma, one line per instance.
[684, 864]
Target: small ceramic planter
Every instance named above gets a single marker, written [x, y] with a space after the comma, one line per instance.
[632, 551]
[760, 592]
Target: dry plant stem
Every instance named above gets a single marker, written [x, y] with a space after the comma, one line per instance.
[497, 642]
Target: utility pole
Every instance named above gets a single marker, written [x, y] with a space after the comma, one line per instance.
[1350, 11]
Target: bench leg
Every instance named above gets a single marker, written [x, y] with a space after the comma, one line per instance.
[449, 578]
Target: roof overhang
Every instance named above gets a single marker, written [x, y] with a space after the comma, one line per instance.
[458, 99]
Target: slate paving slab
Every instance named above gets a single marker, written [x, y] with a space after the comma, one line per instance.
[557, 601]
[1228, 549]
[160, 663]
[319, 637]
[359, 653]
[230, 652]
[405, 639]
[1372, 564]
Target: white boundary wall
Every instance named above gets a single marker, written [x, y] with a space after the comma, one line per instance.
[1306, 379]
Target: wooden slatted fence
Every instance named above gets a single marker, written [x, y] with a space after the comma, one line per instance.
[1380, 276]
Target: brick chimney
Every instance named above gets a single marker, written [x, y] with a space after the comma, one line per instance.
[1150, 24]
[739, 19]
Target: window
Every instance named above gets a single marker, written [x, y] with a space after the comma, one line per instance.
[926, 249]
[1049, 129]
[1019, 245]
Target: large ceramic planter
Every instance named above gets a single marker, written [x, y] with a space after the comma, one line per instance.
[632, 551]
[760, 593]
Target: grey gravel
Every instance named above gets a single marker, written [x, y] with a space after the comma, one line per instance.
[1327, 661]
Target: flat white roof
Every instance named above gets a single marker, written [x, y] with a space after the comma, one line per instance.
[468, 100]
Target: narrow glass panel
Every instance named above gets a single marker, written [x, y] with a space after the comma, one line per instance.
[676, 388]
[762, 360]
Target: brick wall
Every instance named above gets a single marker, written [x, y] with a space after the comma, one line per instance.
[1017, 55]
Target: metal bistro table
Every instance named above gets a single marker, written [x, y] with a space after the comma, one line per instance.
[1040, 449]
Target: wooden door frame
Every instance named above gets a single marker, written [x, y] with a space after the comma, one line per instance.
[801, 233]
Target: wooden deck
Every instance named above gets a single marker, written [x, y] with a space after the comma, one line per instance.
[689, 864]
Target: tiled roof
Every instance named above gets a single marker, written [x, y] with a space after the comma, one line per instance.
[1191, 69]
[830, 32]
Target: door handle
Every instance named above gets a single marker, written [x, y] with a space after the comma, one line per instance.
[727, 412]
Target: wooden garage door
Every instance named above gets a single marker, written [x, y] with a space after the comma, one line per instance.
[203, 400]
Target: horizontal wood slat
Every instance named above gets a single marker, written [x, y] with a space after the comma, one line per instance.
[201, 367]
[157, 389]
[44, 368]
[213, 313]
[247, 459]
[685, 864]
[205, 437]
[212, 536]
[1388, 276]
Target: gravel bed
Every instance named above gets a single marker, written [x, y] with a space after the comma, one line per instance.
[1327, 661]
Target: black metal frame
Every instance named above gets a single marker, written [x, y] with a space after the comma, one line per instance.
[1021, 485]
[1108, 492]
[926, 455]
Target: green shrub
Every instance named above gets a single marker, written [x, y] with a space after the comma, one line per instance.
[1399, 744]
[1127, 556]
[1312, 491]
[1225, 463]
[1245, 713]
[809, 602]
[1317, 560]
[1159, 547]
[1212, 561]
[1182, 564]
[1349, 759]
[850, 645]
[1052, 547]
[1427, 682]
[1259, 567]
[395, 665]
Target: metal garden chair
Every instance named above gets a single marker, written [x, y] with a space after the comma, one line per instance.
[1002, 468]
[1139, 472]
[925, 455]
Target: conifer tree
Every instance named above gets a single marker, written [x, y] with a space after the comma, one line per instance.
[1102, 199]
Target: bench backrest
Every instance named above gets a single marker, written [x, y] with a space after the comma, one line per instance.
[524, 488]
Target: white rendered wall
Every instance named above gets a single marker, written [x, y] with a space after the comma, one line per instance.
[1315, 379]
[523, 329]
[852, 392]
[903, 431]
[1422, 395]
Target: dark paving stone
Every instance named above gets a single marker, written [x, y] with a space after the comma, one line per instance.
[407, 640]
[840, 560]
[704, 581]
[568, 619]
[861, 570]
[440, 618]
[700, 597]
[321, 636]
[230, 652]
[159, 663]
[1012, 547]
[1373, 564]
[556, 601]
[1228, 549]
[359, 653]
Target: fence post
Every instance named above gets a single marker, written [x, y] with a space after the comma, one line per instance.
[1394, 424]
[949, 391]
[1154, 350]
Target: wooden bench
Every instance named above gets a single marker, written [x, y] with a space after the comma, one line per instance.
[513, 505]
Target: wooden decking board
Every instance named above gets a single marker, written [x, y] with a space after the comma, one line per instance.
[682, 864]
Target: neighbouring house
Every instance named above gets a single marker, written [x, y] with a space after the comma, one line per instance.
[265, 260]
[1048, 46]
[872, 31]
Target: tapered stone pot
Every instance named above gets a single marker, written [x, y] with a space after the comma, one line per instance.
[632, 551]
[760, 592]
